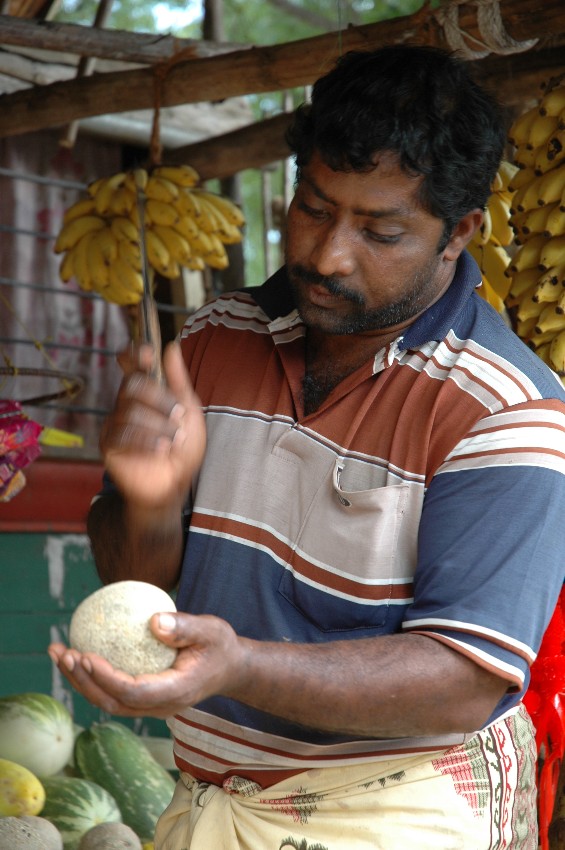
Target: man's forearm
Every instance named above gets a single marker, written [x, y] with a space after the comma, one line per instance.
[392, 686]
[129, 544]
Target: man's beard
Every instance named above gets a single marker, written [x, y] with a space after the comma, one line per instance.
[358, 318]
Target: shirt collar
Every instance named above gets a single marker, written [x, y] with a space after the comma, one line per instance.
[275, 299]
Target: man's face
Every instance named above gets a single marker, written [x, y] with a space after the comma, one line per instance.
[362, 254]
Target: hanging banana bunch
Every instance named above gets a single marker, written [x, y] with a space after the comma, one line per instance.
[185, 226]
[489, 243]
[537, 269]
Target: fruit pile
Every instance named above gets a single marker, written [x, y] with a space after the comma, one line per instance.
[184, 226]
[67, 788]
[537, 217]
[490, 242]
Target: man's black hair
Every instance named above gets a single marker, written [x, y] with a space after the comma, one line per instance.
[420, 103]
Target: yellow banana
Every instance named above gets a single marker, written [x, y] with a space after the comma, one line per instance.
[541, 129]
[226, 206]
[553, 101]
[552, 185]
[182, 175]
[542, 351]
[556, 146]
[544, 162]
[157, 253]
[555, 222]
[66, 268]
[561, 301]
[520, 178]
[107, 243]
[493, 261]
[506, 172]
[519, 131]
[526, 197]
[177, 246]
[547, 288]
[136, 179]
[94, 185]
[196, 263]
[535, 220]
[187, 203]
[70, 233]
[130, 252]
[487, 292]
[120, 289]
[539, 338]
[557, 351]
[525, 156]
[186, 226]
[525, 328]
[122, 202]
[499, 210]
[161, 189]
[97, 265]
[124, 228]
[552, 253]
[83, 207]
[161, 212]
[528, 255]
[81, 267]
[528, 308]
[522, 281]
[105, 191]
[550, 320]
[201, 244]
[207, 220]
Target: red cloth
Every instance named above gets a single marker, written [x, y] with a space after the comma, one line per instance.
[545, 701]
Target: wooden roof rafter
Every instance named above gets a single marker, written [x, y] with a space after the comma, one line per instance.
[189, 72]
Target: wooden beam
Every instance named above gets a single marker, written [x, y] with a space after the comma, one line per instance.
[263, 143]
[119, 45]
[254, 70]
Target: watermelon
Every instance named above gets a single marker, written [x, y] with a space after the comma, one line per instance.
[116, 758]
[36, 731]
[75, 805]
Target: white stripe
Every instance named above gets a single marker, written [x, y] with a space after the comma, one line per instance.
[332, 592]
[539, 417]
[250, 745]
[512, 672]
[508, 459]
[527, 436]
[472, 628]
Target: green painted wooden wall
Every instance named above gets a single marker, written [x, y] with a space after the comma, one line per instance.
[43, 577]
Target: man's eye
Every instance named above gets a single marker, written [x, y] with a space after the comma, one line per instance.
[384, 239]
[311, 211]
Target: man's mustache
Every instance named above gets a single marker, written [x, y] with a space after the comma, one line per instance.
[332, 284]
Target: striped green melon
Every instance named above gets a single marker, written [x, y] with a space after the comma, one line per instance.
[75, 805]
[36, 731]
[118, 760]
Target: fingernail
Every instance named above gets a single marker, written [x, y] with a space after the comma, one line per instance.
[69, 662]
[53, 657]
[177, 412]
[167, 622]
[86, 664]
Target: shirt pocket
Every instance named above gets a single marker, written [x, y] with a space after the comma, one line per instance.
[347, 572]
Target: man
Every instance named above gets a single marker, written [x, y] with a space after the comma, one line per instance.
[374, 527]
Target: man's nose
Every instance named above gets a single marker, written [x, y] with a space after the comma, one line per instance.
[333, 251]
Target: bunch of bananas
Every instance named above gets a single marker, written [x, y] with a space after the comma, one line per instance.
[489, 243]
[185, 226]
[537, 269]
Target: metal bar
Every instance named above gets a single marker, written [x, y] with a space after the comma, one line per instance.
[73, 293]
[37, 234]
[36, 178]
[64, 346]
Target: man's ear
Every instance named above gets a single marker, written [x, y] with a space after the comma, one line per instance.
[462, 234]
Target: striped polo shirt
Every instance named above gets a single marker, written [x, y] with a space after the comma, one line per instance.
[425, 494]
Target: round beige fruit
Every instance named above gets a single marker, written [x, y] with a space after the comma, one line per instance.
[114, 622]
